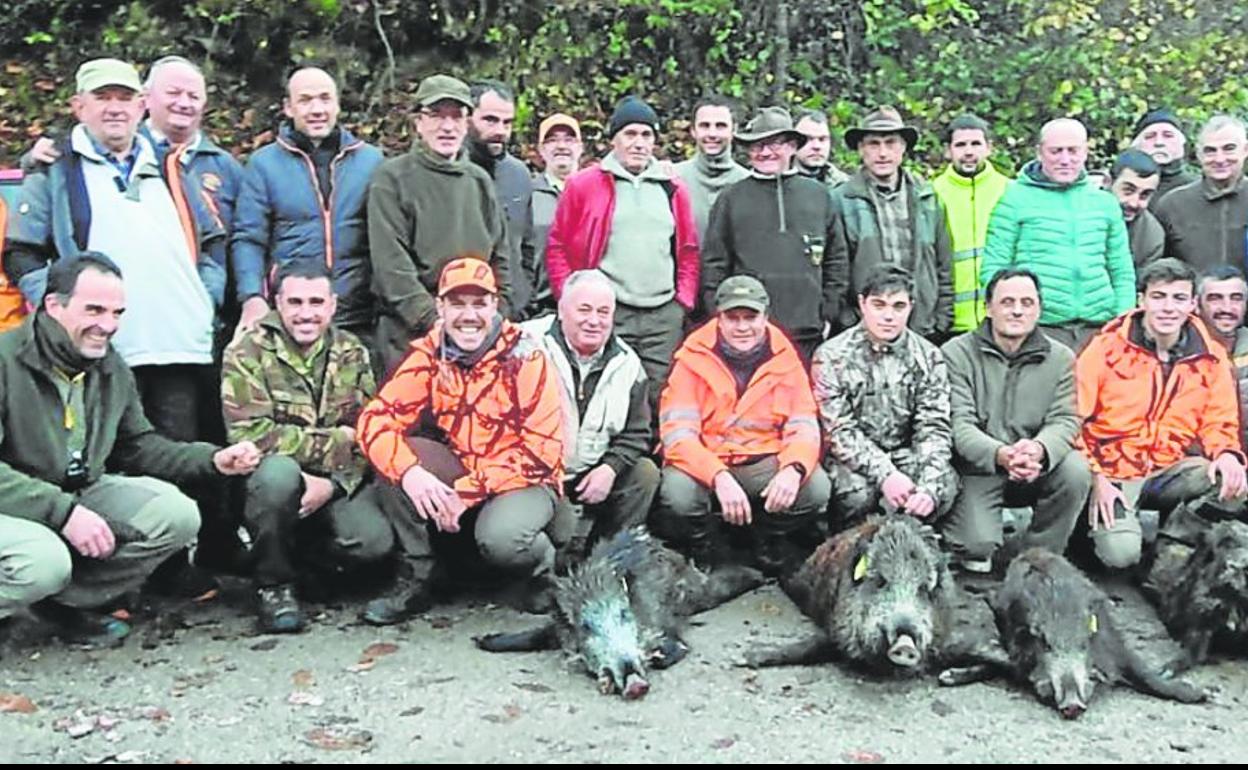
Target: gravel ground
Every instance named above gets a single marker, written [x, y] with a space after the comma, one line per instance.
[202, 687]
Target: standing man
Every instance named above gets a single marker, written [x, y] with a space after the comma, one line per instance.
[1223, 299]
[712, 169]
[775, 225]
[1055, 223]
[1014, 426]
[740, 434]
[498, 468]
[889, 216]
[1206, 221]
[489, 133]
[294, 386]
[1159, 415]
[813, 157]
[559, 143]
[1133, 181]
[1160, 135]
[304, 198]
[628, 218]
[969, 189]
[425, 208]
[883, 396]
[606, 408]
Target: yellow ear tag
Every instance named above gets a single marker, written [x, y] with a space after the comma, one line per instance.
[1092, 624]
[860, 569]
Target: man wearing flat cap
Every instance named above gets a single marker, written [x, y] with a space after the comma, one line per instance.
[634, 221]
[775, 225]
[740, 435]
[425, 208]
[888, 216]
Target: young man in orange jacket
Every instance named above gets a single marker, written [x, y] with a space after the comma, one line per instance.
[740, 432]
[1159, 413]
[498, 465]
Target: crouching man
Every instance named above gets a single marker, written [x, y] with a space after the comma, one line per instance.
[606, 404]
[740, 434]
[883, 394]
[1159, 415]
[485, 389]
[294, 384]
[1014, 425]
[71, 535]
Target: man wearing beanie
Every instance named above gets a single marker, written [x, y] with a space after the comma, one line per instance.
[630, 219]
[1159, 134]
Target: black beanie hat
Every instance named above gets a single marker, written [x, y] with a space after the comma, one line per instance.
[631, 109]
[1157, 116]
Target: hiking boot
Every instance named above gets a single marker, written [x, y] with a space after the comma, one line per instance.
[84, 627]
[406, 599]
[278, 610]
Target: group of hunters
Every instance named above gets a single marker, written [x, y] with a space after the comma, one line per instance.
[329, 360]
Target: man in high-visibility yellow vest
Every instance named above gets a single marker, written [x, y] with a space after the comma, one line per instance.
[970, 187]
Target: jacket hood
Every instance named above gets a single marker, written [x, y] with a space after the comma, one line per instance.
[431, 160]
[1032, 175]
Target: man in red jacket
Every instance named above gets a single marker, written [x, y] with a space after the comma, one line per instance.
[633, 220]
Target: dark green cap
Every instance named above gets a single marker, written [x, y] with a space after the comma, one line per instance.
[741, 291]
[437, 88]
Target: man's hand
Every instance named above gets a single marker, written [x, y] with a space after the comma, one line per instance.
[254, 309]
[596, 485]
[897, 488]
[433, 500]
[317, 491]
[920, 505]
[238, 459]
[734, 503]
[45, 151]
[1101, 503]
[89, 534]
[1234, 479]
[782, 490]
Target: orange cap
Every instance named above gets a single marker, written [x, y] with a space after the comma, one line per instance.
[555, 121]
[467, 271]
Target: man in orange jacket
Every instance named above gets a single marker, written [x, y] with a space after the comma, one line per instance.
[498, 463]
[1159, 413]
[738, 419]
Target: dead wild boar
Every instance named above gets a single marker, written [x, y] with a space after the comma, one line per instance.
[1056, 627]
[882, 597]
[621, 612]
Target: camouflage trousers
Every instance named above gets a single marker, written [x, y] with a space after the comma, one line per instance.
[1187, 481]
[854, 496]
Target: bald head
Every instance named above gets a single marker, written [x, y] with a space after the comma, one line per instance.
[312, 103]
[1063, 150]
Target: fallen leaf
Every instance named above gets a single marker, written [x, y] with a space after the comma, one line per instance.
[723, 743]
[305, 698]
[864, 757]
[265, 645]
[511, 712]
[336, 739]
[377, 649]
[105, 722]
[413, 711]
[183, 761]
[941, 709]
[531, 687]
[121, 614]
[769, 608]
[441, 622]
[13, 703]
[362, 666]
[303, 679]
[155, 713]
[79, 729]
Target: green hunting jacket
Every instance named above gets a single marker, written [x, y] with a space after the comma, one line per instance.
[302, 408]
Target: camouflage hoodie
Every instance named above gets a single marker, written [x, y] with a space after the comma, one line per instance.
[304, 409]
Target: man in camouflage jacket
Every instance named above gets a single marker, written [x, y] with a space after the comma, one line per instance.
[883, 395]
[294, 385]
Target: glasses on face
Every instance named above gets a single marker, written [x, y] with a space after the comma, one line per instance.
[443, 117]
[561, 139]
[767, 146]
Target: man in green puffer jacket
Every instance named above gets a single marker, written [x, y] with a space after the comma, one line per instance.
[1070, 233]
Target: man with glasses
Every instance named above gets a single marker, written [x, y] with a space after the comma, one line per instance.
[426, 208]
[559, 144]
[775, 225]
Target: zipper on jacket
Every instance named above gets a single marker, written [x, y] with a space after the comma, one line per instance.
[326, 205]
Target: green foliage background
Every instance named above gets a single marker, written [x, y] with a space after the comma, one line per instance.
[1016, 62]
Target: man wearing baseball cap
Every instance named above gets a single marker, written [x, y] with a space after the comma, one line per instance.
[425, 208]
[559, 143]
[631, 219]
[740, 435]
[486, 390]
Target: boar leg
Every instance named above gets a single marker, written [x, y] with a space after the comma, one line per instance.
[816, 649]
[1139, 674]
[537, 638]
[723, 585]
